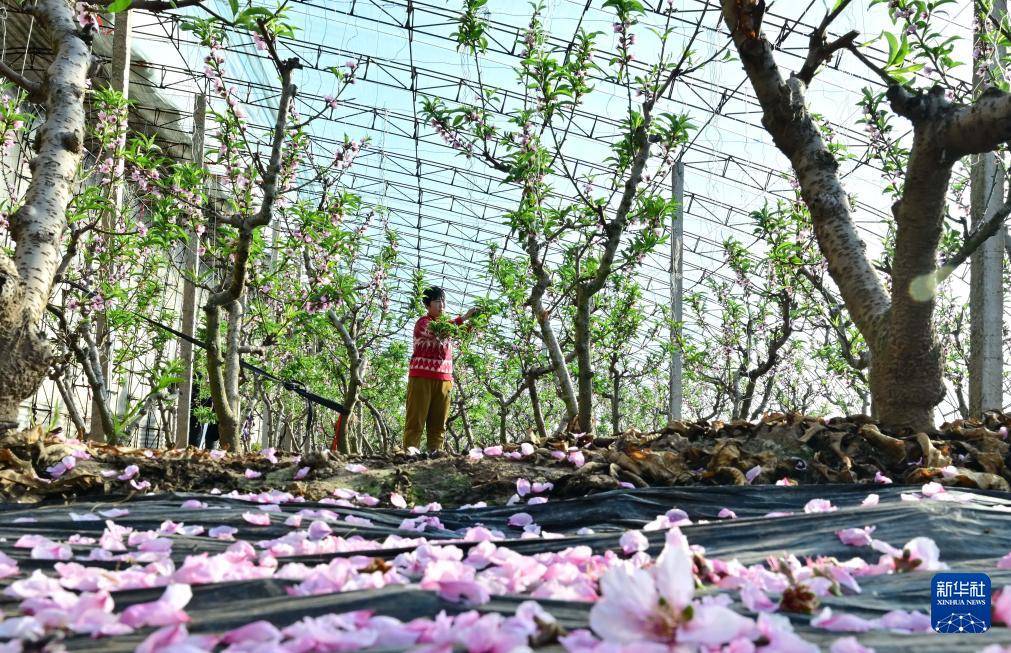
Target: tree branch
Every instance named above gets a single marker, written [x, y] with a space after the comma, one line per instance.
[820, 50]
[983, 232]
[979, 127]
[789, 122]
[879, 71]
[823, 53]
[538, 372]
[34, 89]
[786, 304]
[349, 344]
[233, 290]
[856, 362]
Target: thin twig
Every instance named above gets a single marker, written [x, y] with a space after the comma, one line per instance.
[885, 77]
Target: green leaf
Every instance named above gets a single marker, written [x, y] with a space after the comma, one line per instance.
[258, 11]
[234, 5]
[119, 5]
[893, 47]
[912, 68]
[903, 51]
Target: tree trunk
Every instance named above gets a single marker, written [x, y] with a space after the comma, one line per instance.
[233, 362]
[350, 402]
[905, 375]
[734, 395]
[561, 369]
[227, 419]
[461, 406]
[365, 447]
[503, 415]
[268, 420]
[770, 381]
[584, 362]
[543, 317]
[384, 431]
[453, 439]
[355, 364]
[38, 225]
[306, 433]
[746, 399]
[87, 356]
[906, 366]
[468, 432]
[616, 401]
[223, 364]
[71, 404]
[223, 371]
[285, 441]
[535, 404]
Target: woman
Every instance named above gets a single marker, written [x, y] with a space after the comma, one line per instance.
[430, 376]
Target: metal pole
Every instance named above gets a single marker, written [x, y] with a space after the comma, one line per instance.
[986, 292]
[188, 325]
[675, 390]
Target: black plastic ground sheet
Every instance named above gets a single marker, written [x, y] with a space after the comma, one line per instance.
[972, 533]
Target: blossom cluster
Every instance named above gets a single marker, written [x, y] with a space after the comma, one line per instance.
[349, 150]
[451, 137]
[86, 15]
[626, 39]
[10, 127]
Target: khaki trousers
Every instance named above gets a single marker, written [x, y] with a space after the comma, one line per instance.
[427, 406]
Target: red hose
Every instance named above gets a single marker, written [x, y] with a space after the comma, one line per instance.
[337, 432]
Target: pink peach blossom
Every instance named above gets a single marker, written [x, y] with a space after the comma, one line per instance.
[656, 605]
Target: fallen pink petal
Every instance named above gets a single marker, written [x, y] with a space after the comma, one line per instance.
[520, 519]
[856, 536]
[140, 485]
[166, 611]
[819, 505]
[257, 518]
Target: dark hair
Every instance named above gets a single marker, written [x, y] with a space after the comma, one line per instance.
[431, 294]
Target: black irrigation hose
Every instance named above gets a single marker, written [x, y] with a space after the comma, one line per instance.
[294, 386]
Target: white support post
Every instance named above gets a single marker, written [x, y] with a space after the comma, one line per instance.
[675, 390]
[986, 292]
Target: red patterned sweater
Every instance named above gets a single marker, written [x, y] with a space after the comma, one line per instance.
[432, 358]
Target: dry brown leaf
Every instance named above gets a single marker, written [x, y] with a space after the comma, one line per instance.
[892, 449]
[930, 454]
